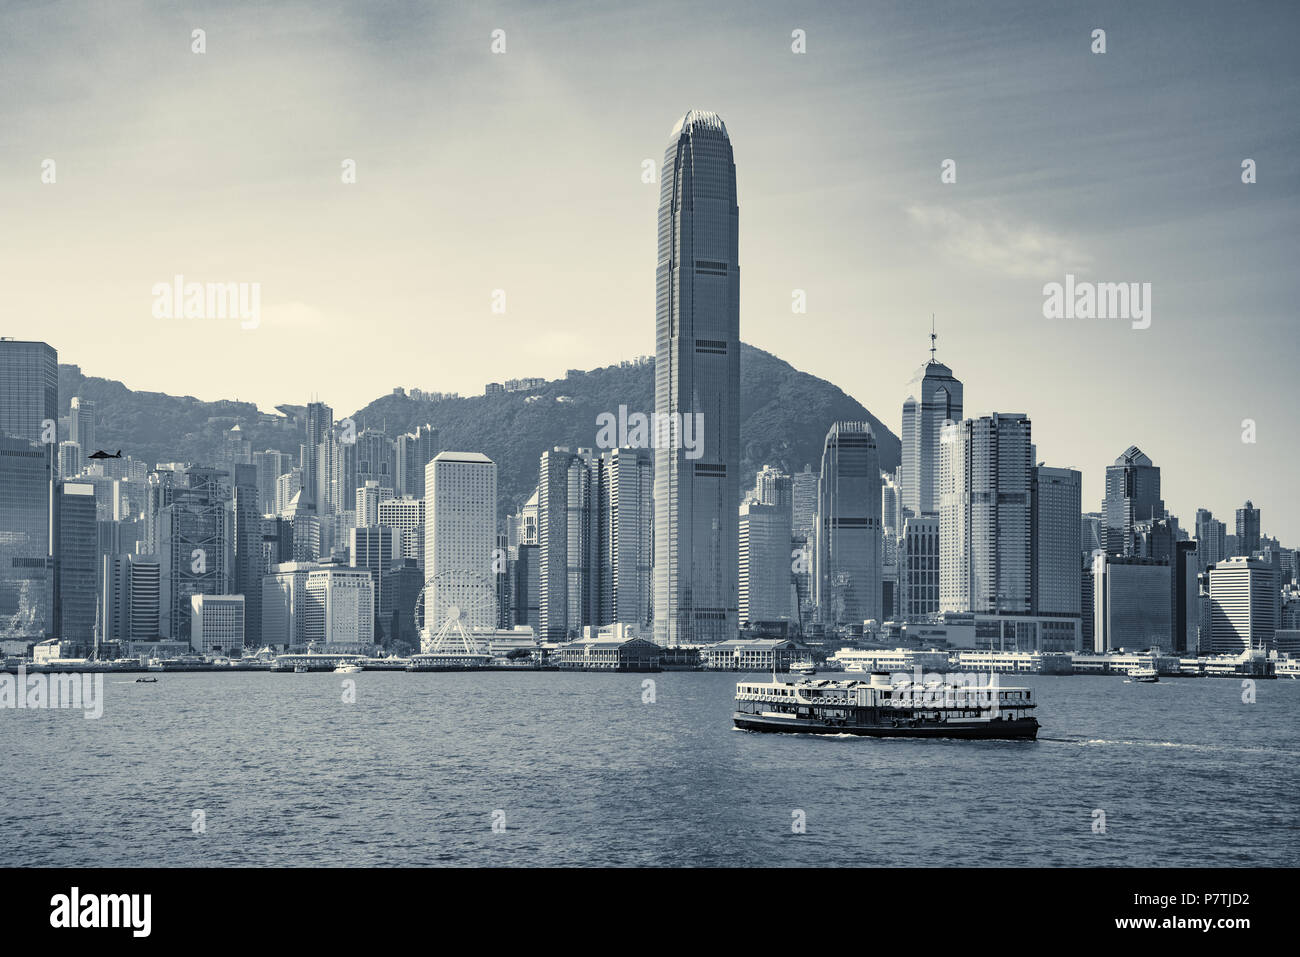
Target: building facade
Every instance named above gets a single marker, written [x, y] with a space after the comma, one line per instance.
[697, 379]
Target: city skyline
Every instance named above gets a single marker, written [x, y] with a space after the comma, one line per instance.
[977, 255]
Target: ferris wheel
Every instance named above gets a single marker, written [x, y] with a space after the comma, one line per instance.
[468, 603]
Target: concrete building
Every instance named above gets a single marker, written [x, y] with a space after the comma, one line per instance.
[460, 535]
[1132, 496]
[1244, 602]
[765, 584]
[405, 516]
[846, 562]
[986, 515]
[340, 607]
[1055, 542]
[76, 564]
[918, 567]
[218, 624]
[1247, 529]
[1131, 603]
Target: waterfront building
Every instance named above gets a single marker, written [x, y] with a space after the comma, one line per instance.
[217, 626]
[750, 654]
[340, 607]
[76, 564]
[567, 543]
[846, 561]
[918, 564]
[764, 570]
[460, 534]
[985, 515]
[1131, 603]
[1244, 602]
[697, 385]
[626, 537]
[1055, 543]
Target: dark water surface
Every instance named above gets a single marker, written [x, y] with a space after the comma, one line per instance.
[585, 773]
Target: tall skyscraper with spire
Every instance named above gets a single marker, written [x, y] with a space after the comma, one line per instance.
[934, 396]
[697, 372]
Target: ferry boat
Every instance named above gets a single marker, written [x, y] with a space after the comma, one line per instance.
[348, 668]
[1143, 675]
[301, 668]
[805, 667]
[1288, 668]
[879, 709]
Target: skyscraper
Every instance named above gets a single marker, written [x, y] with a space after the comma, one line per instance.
[846, 562]
[247, 567]
[81, 424]
[1055, 541]
[567, 543]
[1211, 539]
[26, 557]
[985, 555]
[626, 553]
[697, 373]
[1248, 529]
[29, 391]
[764, 571]
[76, 564]
[1132, 496]
[1243, 605]
[414, 451]
[319, 420]
[190, 531]
[460, 533]
[934, 396]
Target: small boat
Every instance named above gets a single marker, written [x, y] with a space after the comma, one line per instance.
[146, 681]
[348, 668]
[805, 667]
[301, 669]
[1143, 675]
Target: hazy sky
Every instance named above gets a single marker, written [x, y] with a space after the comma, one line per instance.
[522, 172]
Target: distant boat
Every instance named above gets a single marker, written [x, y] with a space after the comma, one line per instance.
[1143, 675]
[348, 668]
[146, 681]
[301, 669]
[805, 667]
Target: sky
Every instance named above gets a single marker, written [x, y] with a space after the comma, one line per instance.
[522, 171]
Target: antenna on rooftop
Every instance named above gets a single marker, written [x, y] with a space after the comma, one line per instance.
[933, 337]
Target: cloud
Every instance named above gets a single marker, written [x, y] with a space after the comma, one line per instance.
[992, 243]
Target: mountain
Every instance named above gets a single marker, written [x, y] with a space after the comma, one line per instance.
[785, 414]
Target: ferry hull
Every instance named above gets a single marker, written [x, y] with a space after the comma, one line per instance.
[1020, 729]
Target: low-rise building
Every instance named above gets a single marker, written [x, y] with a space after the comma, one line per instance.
[750, 654]
[609, 654]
